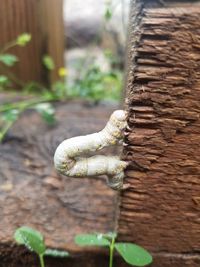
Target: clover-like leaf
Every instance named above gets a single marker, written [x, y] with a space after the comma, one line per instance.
[23, 39]
[3, 79]
[31, 238]
[56, 253]
[48, 62]
[91, 240]
[8, 59]
[133, 254]
[108, 14]
[47, 112]
[10, 115]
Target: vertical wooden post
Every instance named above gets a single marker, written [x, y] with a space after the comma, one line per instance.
[53, 32]
[161, 210]
[43, 20]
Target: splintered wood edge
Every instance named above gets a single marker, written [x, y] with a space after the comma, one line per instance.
[154, 113]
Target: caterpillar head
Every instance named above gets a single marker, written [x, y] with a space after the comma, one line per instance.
[116, 124]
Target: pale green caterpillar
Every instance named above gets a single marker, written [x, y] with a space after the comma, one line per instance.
[67, 158]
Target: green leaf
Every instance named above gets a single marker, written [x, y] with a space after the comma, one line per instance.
[60, 89]
[108, 14]
[56, 253]
[133, 254]
[108, 54]
[10, 115]
[8, 59]
[91, 240]
[33, 87]
[3, 79]
[31, 238]
[47, 112]
[23, 39]
[48, 62]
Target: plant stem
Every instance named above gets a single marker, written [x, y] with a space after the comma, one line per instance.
[21, 107]
[8, 46]
[41, 256]
[24, 103]
[5, 130]
[11, 76]
[112, 246]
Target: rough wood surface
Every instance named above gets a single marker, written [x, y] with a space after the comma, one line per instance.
[161, 210]
[45, 23]
[32, 193]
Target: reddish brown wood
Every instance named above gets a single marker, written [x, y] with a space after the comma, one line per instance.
[50, 14]
[45, 23]
[161, 210]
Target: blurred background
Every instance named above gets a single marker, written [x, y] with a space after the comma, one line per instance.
[61, 75]
[74, 49]
[58, 50]
[95, 36]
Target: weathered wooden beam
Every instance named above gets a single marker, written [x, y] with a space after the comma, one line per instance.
[161, 210]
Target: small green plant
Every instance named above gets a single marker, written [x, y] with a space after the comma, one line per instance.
[95, 84]
[48, 62]
[10, 112]
[108, 11]
[131, 253]
[34, 241]
[8, 60]
[91, 83]
[41, 96]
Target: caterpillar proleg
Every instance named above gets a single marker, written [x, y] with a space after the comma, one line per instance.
[68, 160]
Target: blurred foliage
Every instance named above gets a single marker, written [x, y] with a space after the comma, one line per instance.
[47, 112]
[95, 84]
[108, 11]
[8, 59]
[23, 39]
[48, 62]
[91, 82]
[10, 112]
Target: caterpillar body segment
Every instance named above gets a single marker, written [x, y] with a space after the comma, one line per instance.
[68, 160]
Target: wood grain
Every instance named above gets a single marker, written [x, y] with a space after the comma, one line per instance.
[58, 206]
[45, 23]
[52, 28]
[161, 210]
